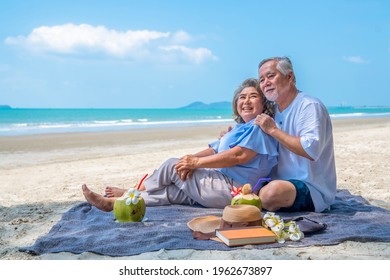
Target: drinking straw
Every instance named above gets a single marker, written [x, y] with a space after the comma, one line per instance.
[140, 183]
[258, 185]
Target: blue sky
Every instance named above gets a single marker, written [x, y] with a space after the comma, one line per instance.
[156, 54]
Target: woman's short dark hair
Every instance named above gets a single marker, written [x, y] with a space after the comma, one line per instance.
[269, 107]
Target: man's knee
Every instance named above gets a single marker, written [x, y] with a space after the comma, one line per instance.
[277, 194]
[268, 199]
[270, 191]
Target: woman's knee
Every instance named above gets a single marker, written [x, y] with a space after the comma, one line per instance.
[168, 166]
[171, 161]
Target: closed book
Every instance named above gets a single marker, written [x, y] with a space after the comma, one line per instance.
[245, 236]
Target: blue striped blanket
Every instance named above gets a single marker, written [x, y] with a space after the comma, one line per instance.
[84, 228]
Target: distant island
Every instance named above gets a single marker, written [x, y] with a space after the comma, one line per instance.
[5, 107]
[214, 105]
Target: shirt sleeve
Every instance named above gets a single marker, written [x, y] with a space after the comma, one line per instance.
[215, 145]
[256, 140]
[314, 125]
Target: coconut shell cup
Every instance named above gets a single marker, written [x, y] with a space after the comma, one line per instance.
[247, 197]
[129, 213]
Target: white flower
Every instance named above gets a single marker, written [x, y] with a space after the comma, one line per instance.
[295, 234]
[283, 232]
[274, 222]
[133, 196]
[268, 215]
[276, 225]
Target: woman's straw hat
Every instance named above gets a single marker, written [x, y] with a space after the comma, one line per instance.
[204, 224]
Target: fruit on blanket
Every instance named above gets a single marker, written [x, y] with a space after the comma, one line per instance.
[130, 207]
[247, 197]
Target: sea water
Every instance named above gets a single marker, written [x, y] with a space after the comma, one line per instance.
[36, 121]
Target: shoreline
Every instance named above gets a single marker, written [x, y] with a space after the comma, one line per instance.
[162, 126]
[117, 137]
[48, 141]
[41, 178]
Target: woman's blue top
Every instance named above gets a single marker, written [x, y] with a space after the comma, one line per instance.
[250, 136]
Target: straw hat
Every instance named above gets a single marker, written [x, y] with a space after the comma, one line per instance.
[205, 224]
[232, 216]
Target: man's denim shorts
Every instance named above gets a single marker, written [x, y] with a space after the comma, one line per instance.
[303, 201]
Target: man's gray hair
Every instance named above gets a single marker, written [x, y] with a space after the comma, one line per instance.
[283, 64]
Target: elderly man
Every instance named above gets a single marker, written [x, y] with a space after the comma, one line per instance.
[305, 177]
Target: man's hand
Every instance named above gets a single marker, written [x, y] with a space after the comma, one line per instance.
[293, 143]
[266, 123]
[223, 132]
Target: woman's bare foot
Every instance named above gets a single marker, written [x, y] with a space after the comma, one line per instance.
[114, 192]
[103, 203]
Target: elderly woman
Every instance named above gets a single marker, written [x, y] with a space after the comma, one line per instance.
[243, 155]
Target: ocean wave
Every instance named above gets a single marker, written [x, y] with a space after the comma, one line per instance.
[23, 127]
[39, 128]
[359, 115]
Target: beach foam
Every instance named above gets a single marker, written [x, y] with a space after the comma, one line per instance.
[39, 121]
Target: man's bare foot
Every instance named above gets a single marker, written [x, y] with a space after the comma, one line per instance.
[114, 192]
[103, 203]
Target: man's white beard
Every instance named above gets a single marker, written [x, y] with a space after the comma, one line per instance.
[273, 96]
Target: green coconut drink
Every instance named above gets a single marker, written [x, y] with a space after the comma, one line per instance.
[245, 196]
[131, 206]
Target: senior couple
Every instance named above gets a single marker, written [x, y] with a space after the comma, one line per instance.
[290, 142]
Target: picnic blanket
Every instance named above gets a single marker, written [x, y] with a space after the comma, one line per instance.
[84, 228]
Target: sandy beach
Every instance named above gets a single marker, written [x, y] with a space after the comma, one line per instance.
[41, 178]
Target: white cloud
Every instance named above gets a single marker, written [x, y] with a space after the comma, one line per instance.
[181, 37]
[355, 59]
[70, 38]
[195, 55]
[86, 39]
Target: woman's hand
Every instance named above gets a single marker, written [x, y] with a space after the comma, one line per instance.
[187, 162]
[185, 174]
[186, 165]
